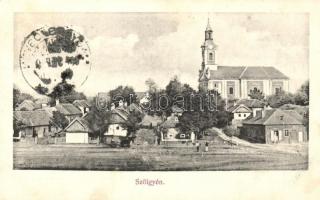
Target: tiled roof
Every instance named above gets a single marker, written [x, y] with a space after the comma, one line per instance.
[236, 108]
[251, 103]
[49, 110]
[27, 104]
[241, 72]
[123, 114]
[33, 118]
[83, 122]
[45, 100]
[68, 109]
[224, 72]
[275, 117]
[82, 103]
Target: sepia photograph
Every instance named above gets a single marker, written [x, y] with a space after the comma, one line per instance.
[160, 91]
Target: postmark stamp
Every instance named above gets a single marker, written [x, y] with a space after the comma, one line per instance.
[48, 52]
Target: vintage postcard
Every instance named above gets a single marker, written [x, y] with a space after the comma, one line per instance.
[156, 98]
[161, 91]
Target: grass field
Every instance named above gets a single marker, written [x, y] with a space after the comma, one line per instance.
[154, 158]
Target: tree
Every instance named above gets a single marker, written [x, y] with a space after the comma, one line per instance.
[256, 94]
[17, 126]
[132, 124]
[301, 97]
[16, 95]
[211, 114]
[59, 120]
[19, 97]
[98, 121]
[65, 91]
[126, 94]
[280, 98]
[74, 95]
[152, 86]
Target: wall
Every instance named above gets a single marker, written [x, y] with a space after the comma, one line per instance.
[253, 133]
[242, 115]
[116, 130]
[293, 133]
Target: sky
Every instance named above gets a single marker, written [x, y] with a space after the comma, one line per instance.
[129, 48]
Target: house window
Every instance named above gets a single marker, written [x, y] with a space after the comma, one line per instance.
[117, 127]
[278, 90]
[239, 115]
[244, 115]
[231, 90]
[286, 133]
[276, 133]
[215, 85]
[182, 135]
[210, 56]
[281, 117]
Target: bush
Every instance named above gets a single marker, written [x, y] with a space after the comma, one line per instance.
[231, 131]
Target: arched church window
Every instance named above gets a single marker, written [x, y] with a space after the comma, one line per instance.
[231, 90]
[210, 56]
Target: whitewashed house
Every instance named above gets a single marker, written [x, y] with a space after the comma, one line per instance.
[78, 131]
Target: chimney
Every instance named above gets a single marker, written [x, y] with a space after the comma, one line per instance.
[57, 101]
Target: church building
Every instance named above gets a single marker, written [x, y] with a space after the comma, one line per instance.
[236, 82]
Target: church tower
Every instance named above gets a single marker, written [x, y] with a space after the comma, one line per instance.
[208, 50]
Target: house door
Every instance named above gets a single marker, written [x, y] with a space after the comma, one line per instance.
[300, 136]
[276, 136]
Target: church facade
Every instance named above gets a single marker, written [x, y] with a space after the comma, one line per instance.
[237, 82]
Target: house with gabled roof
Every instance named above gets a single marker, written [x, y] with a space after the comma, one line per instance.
[237, 82]
[244, 108]
[35, 123]
[274, 126]
[26, 105]
[117, 123]
[83, 105]
[68, 110]
[78, 131]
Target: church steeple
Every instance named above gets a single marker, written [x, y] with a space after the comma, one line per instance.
[208, 50]
[208, 32]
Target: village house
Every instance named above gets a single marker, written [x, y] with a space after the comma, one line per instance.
[78, 131]
[117, 124]
[274, 126]
[42, 102]
[171, 133]
[244, 108]
[69, 111]
[26, 105]
[237, 82]
[35, 123]
[83, 105]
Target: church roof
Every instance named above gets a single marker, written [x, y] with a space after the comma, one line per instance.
[233, 72]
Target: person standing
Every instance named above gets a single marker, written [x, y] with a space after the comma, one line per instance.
[207, 146]
[198, 146]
